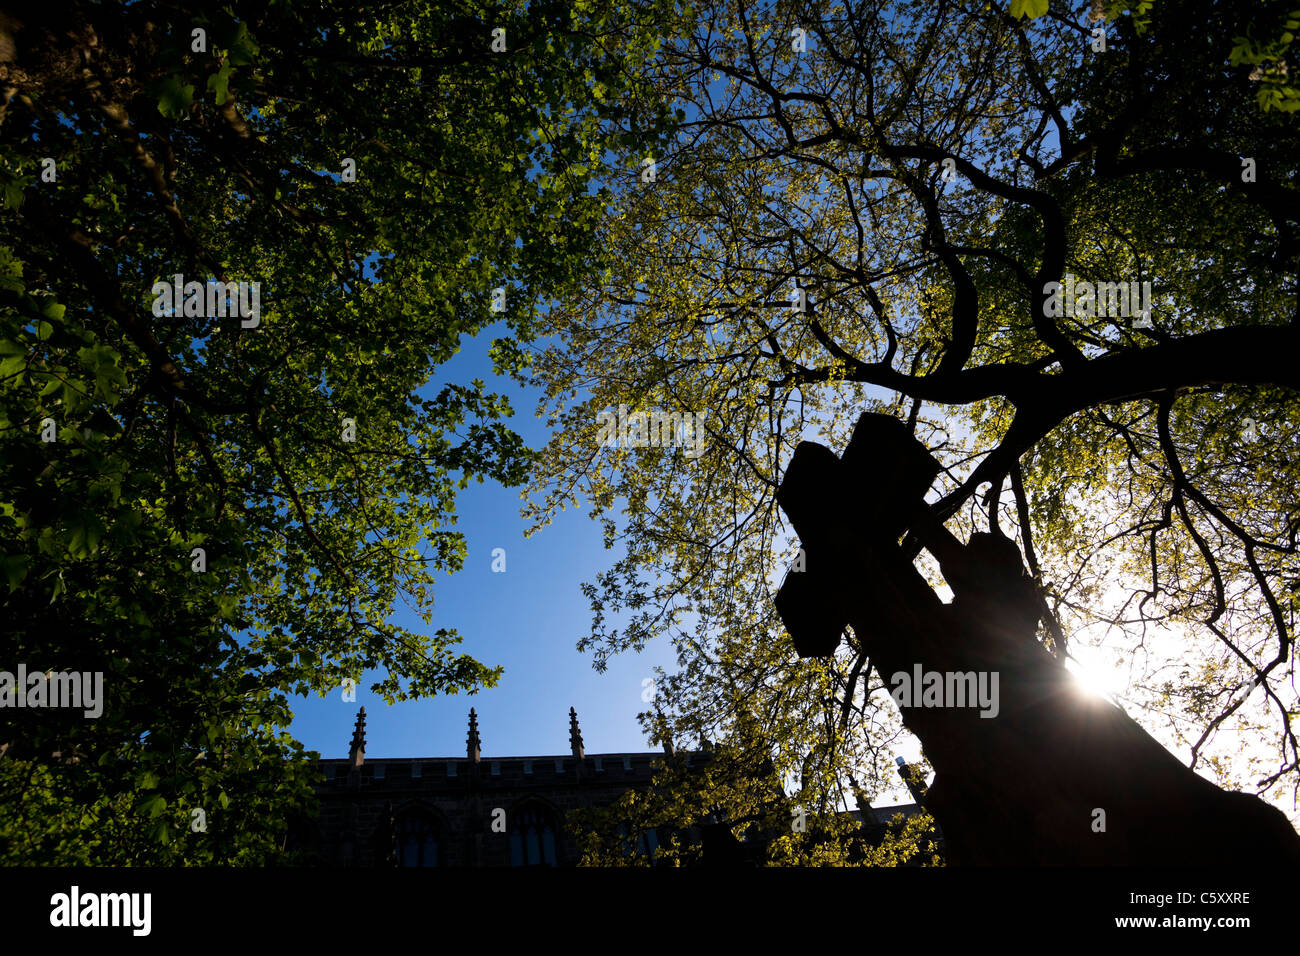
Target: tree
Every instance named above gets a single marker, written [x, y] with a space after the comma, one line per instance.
[874, 206]
[726, 806]
[217, 506]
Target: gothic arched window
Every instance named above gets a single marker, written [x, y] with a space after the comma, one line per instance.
[532, 838]
[646, 842]
[417, 841]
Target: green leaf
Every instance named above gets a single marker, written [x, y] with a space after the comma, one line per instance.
[12, 365]
[14, 567]
[13, 193]
[152, 805]
[175, 97]
[1028, 8]
[242, 48]
[219, 82]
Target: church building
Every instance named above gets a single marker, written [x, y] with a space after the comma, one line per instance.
[463, 811]
[474, 812]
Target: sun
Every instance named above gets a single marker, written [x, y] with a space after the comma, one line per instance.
[1093, 677]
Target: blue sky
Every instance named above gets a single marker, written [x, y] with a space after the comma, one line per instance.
[528, 619]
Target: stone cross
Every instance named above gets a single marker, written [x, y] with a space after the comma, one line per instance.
[1044, 774]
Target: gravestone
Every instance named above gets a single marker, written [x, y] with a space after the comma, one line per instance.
[1055, 776]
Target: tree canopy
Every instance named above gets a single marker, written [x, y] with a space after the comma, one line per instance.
[768, 216]
[875, 206]
[217, 512]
